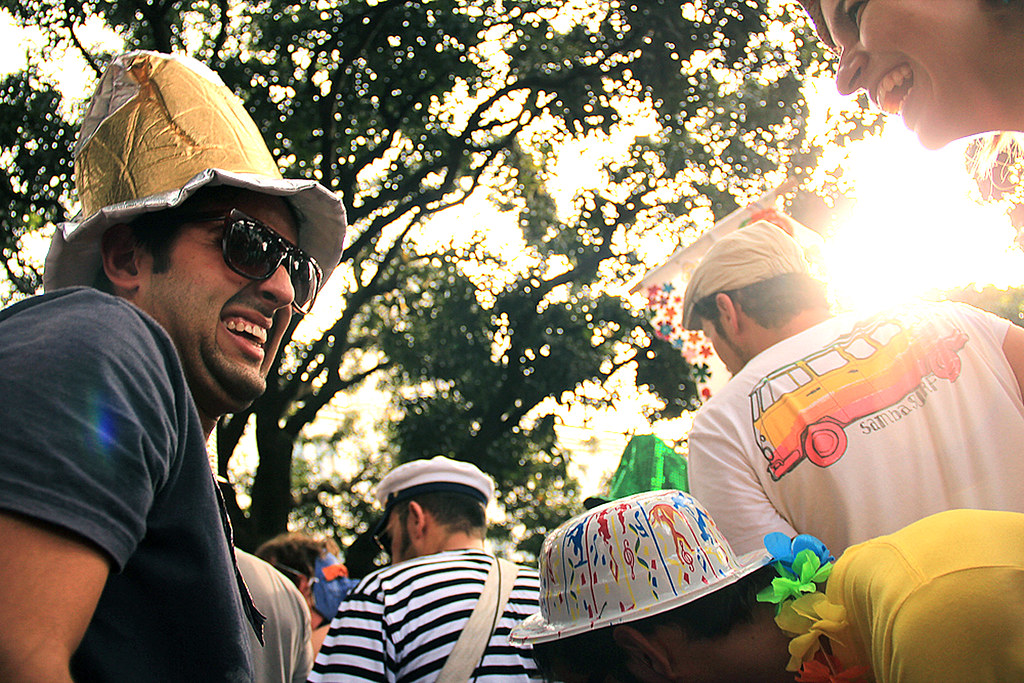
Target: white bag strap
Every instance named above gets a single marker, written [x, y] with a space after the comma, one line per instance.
[478, 630]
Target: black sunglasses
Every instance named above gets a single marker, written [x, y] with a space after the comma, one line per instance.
[254, 250]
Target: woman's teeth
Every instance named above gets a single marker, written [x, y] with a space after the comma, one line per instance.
[893, 89]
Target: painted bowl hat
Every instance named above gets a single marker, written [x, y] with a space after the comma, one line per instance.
[629, 559]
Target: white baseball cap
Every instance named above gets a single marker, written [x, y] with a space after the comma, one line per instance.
[158, 128]
[752, 254]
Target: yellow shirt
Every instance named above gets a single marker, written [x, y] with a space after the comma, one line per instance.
[941, 600]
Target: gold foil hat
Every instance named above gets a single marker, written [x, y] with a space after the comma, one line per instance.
[158, 128]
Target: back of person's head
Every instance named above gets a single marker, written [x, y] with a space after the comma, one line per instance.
[715, 614]
[313, 566]
[771, 303]
[593, 655]
[457, 512]
[455, 493]
[654, 557]
[763, 269]
[297, 552]
[158, 129]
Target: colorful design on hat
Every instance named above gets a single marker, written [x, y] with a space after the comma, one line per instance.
[628, 559]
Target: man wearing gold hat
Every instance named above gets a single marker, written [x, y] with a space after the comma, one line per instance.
[116, 562]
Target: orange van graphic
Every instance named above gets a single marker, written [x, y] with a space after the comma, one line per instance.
[801, 410]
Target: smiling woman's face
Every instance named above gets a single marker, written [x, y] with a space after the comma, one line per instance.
[947, 66]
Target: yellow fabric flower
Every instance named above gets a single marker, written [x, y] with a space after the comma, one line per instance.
[808, 618]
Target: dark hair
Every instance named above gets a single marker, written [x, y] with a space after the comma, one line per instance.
[296, 552]
[156, 231]
[715, 614]
[595, 654]
[456, 511]
[771, 303]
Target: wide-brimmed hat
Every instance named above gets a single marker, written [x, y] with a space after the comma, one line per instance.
[158, 128]
[630, 559]
[752, 254]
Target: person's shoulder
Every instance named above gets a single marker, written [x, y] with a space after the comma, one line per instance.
[428, 567]
[81, 312]
[735, 391]
[444, 561]
[959, 309]
[529, 572]
[263, 581]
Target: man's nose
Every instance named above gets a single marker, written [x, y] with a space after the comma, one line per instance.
[278, 288]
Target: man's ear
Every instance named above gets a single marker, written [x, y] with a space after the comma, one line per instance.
[305, 586]
[417, 521]
[646, 656]
[121, 255]
[728, 313]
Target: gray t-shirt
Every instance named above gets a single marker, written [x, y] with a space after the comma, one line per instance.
[287, 653]
[100, 436]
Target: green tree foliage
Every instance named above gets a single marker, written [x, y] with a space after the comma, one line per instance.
[407, 108]
[1006, 303]
[35, 175]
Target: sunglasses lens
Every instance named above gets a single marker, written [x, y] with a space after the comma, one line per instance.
[305, 281]
[249, 251]
[256, 251]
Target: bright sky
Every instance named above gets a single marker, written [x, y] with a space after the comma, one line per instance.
[915, 227]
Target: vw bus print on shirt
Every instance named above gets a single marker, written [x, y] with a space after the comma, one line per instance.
[802, 410]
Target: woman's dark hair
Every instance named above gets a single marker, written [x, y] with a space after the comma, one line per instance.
[295, 551]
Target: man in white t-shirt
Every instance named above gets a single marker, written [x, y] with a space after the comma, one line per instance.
[850, 426]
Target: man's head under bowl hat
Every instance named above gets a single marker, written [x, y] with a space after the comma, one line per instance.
[160, 127]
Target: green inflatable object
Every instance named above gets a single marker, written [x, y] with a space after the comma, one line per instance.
[647, 464]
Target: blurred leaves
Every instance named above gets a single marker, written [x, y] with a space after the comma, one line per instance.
[408, 108]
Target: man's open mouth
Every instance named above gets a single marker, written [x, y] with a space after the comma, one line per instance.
[244, 328]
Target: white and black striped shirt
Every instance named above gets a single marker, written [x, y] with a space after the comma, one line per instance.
[399, 624]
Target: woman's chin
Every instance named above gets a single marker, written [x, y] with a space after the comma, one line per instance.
[929, 135]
